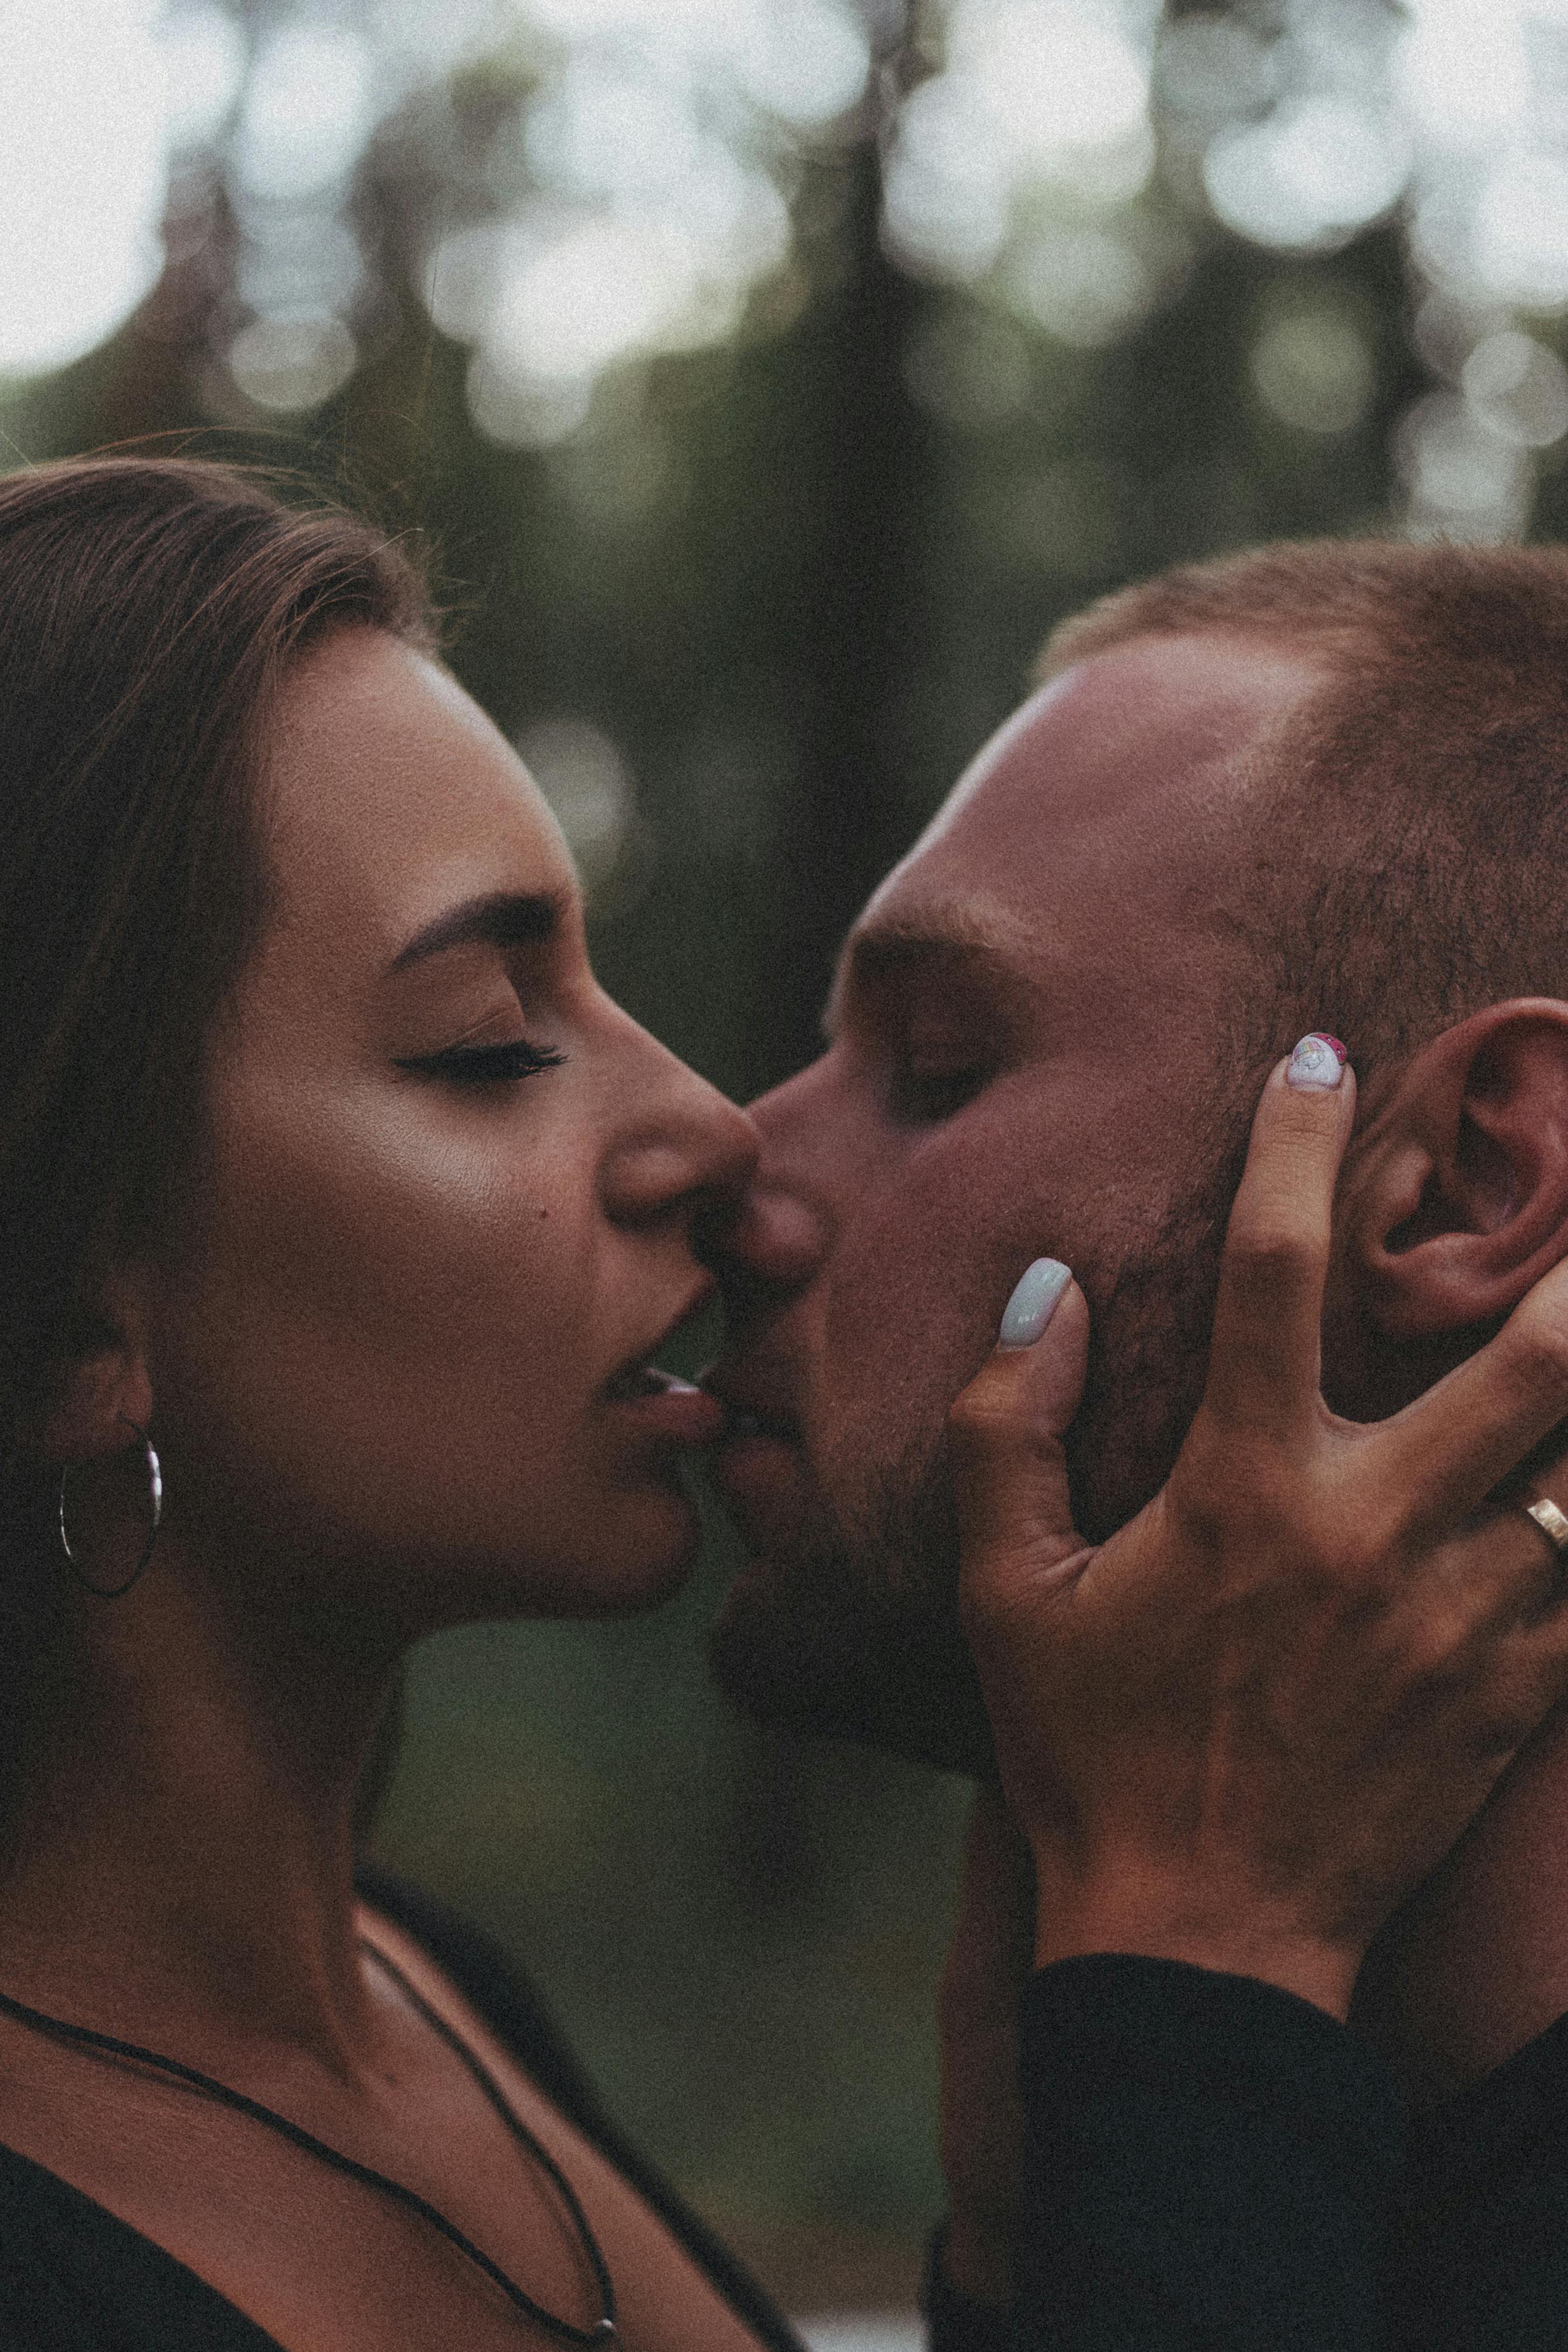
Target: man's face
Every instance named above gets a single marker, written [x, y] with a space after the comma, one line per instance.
[1037, 1047]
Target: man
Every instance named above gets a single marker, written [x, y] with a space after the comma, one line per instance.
[1311, 788]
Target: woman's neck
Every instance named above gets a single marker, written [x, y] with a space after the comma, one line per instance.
[182, 1860]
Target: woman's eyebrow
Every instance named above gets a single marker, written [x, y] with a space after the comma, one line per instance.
[501, 918]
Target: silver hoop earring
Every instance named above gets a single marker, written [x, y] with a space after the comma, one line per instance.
[155, 1494]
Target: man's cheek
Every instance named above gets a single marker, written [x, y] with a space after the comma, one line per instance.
[923, 1268]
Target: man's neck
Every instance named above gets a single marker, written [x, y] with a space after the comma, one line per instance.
[1475, 1964]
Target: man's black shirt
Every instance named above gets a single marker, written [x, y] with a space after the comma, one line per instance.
[1215, 2165]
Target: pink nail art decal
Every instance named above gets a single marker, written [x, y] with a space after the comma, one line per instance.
[1318, 1063]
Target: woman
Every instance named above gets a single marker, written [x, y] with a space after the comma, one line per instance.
[343, 1219]
[296, 1180]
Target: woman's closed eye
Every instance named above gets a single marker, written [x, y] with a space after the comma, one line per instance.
[481, 1065]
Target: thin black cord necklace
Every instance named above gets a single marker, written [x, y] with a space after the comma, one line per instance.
[602, 2332]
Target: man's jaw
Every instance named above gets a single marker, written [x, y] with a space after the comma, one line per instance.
[845, 1621]
[879, 1674]
[854, 1639]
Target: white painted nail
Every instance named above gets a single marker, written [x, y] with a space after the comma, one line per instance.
[1317, 1066]
[1034, 1301]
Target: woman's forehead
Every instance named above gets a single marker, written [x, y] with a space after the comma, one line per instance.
[391, 795]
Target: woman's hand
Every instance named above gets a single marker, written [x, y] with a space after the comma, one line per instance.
[1241, 1731]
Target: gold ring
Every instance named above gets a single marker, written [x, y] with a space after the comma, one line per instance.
[1553, 1525]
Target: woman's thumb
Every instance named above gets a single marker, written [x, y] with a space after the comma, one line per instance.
[1005, 1432]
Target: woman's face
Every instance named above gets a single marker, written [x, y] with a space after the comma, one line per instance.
[447, 1221]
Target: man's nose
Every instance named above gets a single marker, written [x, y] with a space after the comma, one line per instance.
[774, 1240]
[779, 1232]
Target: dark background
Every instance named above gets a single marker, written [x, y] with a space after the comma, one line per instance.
[1013, 300]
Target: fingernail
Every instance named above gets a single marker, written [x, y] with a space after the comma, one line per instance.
[1317, 1065]
[1033, 1303]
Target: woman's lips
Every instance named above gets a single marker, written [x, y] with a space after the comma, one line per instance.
[665, 1407]
[659, 1403]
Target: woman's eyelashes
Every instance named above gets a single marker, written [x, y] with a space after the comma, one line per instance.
[480, 1066]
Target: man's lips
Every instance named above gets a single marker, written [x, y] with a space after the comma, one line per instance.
[759, 1464]
[754, 1408]
[740, 1426]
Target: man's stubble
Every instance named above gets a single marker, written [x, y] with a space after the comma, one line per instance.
[855, 1634]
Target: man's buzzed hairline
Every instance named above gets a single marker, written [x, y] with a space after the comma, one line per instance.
[1402, 859]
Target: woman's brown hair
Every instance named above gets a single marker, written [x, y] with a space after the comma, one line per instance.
[149, 608]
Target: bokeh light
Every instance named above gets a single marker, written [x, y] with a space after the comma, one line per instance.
[1056, 79]
[584, 777]
[596, 184]
[1029, 166]
[1517, 389]
[83, 169]
[635, 191]
[1312, 369]
[308, 108]
[1311, 175]
[1461, 480]
[292, 363]
[971, 367]
[640, 193]
[204, 61]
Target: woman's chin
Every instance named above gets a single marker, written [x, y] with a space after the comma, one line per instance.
[615, 1552]
[638, 1552]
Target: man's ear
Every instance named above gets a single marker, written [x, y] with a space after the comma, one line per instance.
[106, 1385]
[1460, 1199]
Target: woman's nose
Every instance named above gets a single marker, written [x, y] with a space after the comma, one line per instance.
[695, 1152]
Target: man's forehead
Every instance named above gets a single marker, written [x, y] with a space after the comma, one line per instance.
[1115, 782]
[1127, 726]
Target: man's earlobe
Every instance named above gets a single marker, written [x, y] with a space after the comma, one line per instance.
[1462, 1194]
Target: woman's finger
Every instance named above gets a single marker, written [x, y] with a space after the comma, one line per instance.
[1005, 1432]
[1503, 1573]
[1448, 1450]
[1265, 1367]
[1526, 1660]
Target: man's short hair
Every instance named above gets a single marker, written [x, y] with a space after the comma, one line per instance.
[1408, 835]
